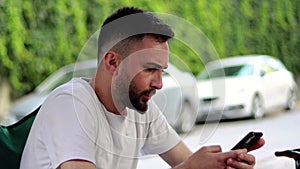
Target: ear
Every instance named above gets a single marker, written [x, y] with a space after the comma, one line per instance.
[111, 61]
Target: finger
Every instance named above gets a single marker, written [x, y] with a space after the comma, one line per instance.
[212, 149]
[259, 144]
[228, 167]
[233, 163]
[243, 161]
[234, 153]
[247, 158]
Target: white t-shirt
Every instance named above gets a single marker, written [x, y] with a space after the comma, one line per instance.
[73, 124]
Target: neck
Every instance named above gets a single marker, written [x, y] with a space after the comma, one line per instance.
[103, 91]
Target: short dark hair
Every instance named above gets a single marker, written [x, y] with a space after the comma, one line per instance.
[128, 25]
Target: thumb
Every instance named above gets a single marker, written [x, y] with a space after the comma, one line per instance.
[212, 149]
[235, 153]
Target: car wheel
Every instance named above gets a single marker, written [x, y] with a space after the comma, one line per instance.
[291, 100]
[257, 109]
[186, 119]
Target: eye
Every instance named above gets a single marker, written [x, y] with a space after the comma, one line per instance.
[151, 69]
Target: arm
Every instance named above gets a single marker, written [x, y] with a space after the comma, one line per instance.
[180, 157]
[77, 164]
[176, 155]
[211, 157]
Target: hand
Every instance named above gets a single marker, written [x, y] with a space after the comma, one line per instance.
[212, 157]
[259, 144]
[243, 160]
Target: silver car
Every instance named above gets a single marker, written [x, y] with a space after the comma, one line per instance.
[245, 86]
[177, 99]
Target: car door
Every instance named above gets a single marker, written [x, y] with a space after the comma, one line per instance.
[271, 84]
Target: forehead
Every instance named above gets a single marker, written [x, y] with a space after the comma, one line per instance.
[150, 50]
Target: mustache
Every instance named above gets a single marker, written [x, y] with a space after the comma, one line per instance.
[150, 92]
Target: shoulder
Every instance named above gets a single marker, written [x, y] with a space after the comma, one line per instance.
[76, 89]
[74, 98]
[74, 86]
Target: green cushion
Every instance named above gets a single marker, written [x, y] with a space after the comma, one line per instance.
[13, 139]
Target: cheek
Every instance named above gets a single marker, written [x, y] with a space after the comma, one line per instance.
[141, 81]
[135, 72]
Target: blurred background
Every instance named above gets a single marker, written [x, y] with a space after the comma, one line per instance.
[38, 36]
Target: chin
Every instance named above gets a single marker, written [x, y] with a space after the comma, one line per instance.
[142, 109]
[140, 106]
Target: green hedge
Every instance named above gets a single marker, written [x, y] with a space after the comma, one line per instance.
[39, 36]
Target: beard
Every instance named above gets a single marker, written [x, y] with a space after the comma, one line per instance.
[125, 93]
[136, 98]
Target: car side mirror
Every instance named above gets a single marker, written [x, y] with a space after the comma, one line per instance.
[262, 73]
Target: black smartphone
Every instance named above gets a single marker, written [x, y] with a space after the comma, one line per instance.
[248, 141]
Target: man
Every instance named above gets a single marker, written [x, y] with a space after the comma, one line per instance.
[109, 121]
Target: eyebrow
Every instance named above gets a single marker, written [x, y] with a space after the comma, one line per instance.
[158, 66]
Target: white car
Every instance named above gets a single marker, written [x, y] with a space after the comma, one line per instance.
[244, 86]
[178, 98]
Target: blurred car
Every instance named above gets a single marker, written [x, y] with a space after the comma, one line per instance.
[177, 99]
[244, 86]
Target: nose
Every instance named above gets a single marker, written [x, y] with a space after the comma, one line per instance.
[156, 81]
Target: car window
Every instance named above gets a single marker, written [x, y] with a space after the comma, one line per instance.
[275, 64]
[265, 68]
[237, 70]
[246, 70]
[63, 78]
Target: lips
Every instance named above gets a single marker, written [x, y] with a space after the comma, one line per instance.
[147, 95]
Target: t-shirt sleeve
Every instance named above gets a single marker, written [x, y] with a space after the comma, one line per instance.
[161, 136]
[67, 130]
